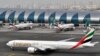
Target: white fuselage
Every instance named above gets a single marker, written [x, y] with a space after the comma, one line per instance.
[22, 25]
[65, 26]
[44, 44]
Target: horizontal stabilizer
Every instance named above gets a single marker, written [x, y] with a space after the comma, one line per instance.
[95, 43]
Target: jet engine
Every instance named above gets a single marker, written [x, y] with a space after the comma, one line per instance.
[31, 50]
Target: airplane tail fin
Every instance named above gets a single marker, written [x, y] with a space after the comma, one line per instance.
[88, 36]
[85, 39]
[87, 22]
[52, 22]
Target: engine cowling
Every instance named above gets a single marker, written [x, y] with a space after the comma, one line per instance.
[31, 50]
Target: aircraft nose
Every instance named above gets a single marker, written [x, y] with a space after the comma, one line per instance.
[9, 43]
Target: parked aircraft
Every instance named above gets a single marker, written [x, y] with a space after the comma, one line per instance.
[21, 26]
[64, 27]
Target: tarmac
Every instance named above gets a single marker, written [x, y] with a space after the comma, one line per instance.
[7, 36]
[46, 29]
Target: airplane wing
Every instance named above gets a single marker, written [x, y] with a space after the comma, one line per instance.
[43, 48]
[67, 39]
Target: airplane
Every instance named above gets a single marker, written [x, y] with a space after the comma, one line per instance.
[60, 26]
[64, 27]
[34, 45]
[21, 26]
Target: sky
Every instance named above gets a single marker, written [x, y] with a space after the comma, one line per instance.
[45, 3]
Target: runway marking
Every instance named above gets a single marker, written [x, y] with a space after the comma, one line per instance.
[11, 54]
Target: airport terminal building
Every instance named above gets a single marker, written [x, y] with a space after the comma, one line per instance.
[44, 16]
